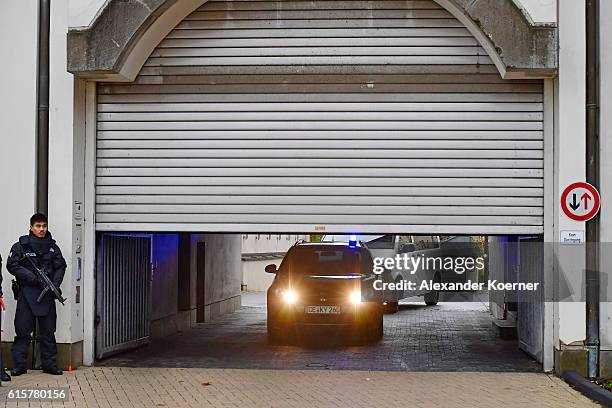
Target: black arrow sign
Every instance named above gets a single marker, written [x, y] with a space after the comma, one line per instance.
[574, 204]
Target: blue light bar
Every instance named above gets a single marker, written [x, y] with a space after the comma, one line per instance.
[353, 241]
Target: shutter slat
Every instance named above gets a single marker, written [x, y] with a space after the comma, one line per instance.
[337, 190]
[316, 172]
[509, 135]
[318, 144]
[179, 200]
[316, 209]
[319, 181]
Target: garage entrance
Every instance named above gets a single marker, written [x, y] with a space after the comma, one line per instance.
[456, 334]
[318, 117]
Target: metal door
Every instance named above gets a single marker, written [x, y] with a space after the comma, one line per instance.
[530, 304]
[123, 293]
[319, 116]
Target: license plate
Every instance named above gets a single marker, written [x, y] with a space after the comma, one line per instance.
[323, 309]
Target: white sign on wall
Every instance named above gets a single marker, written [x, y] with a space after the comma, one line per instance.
[572, 237]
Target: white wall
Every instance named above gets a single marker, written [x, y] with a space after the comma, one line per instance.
[17, 133]
[266, 243]
[254, 275]
[570, 156]
[83, 12]
[18, 154]
[222, 263]
[540, 11]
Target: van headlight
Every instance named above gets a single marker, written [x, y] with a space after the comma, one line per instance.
[355, 297]
[290, 296]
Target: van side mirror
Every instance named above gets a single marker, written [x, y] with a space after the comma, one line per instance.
[271, 268]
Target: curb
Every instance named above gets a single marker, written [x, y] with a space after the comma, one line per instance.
[589, 389]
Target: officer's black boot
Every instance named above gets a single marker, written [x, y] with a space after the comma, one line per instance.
[17, 371]
[3, 374]
[53, 371]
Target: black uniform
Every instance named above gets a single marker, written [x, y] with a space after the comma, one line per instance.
[1, 360]
[45, 253]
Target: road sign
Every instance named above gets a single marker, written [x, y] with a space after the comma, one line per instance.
[580, 201]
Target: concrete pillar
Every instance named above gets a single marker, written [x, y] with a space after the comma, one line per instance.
[569, 167]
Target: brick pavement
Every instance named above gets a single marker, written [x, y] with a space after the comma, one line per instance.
[445, 356]
[447, 337]
[202, 387]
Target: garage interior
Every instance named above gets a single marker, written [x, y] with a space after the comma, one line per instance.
[182, 321]
[278, 117]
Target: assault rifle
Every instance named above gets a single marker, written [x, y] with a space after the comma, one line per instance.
[47, 284]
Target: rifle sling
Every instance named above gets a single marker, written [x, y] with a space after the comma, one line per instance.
[27, 249]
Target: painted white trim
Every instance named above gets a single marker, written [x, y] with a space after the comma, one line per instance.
[482, 39]
[89, 238]
[548, 362]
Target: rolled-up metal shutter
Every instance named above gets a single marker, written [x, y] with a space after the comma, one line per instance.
[320, 116]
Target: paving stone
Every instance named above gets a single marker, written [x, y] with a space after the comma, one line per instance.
[182, 387]
[417, 338]
[430, 357]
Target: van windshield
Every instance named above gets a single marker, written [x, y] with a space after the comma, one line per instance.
[383, 242]
[323, 261]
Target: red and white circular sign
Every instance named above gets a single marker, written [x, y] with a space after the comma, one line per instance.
[580, 201]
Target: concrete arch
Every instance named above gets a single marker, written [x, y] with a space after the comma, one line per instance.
[119, 41]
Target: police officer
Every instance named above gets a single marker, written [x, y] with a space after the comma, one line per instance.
[40, 247]
[3, 374]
